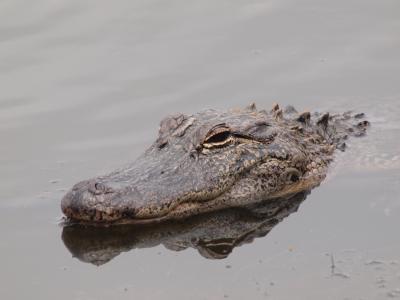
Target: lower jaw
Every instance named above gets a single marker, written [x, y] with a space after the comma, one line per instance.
[99, 218]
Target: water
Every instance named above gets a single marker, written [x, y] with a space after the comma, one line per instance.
[84, 84]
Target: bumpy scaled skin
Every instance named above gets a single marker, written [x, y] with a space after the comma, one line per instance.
[214, 160]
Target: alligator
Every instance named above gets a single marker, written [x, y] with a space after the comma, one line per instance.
[214, 160]
[214, 235]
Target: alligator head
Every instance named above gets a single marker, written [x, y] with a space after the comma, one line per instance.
[214, 160]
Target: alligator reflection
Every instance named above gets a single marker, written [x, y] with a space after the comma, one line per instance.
[214, 235]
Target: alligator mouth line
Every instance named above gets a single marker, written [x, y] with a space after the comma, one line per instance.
[180, 210]
[187, 204]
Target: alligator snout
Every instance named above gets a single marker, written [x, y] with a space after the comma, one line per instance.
[97, 201]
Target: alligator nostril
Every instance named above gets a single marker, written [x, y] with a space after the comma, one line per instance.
[99, 188]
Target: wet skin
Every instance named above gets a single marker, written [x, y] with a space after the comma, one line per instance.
[214, 160]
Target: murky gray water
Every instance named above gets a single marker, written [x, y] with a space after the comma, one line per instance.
[83, 85]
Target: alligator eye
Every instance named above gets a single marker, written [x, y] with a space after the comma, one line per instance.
[218, 137]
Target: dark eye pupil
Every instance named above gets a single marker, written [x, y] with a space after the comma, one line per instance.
[219, 137]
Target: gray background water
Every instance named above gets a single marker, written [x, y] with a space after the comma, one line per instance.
[83, 85]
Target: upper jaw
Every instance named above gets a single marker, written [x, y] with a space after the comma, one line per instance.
[93, 201]
[99, 202]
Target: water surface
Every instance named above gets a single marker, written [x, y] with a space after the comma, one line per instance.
[83, 85]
